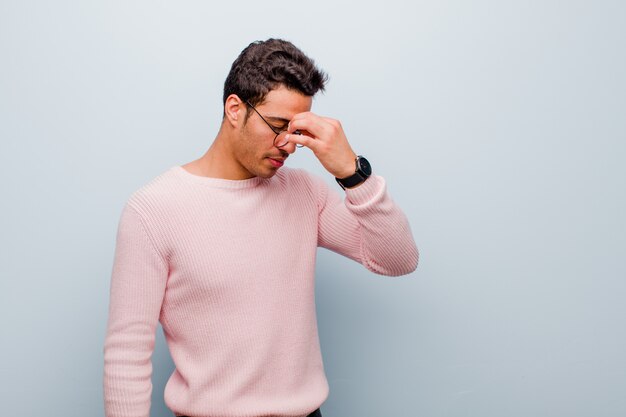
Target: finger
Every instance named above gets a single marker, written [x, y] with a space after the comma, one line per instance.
[317, 127]
[305, 140]
[313, 116]
[307, 116]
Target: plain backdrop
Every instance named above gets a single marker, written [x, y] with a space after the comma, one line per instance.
[500, 127]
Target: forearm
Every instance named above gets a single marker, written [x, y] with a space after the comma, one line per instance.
[370, 228]
[137, 288]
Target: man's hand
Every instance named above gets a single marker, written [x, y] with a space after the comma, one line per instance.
[325, 137]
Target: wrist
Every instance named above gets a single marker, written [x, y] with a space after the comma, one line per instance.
[361, 171]
[348, 169]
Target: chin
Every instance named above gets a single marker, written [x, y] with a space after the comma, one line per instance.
[263, 170]
[262, 173]
[269, 174]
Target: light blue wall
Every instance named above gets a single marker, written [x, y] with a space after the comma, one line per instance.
[500, 127]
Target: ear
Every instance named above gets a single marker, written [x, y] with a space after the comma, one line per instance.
[234, 110]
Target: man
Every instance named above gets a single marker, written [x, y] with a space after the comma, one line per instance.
[222, 251]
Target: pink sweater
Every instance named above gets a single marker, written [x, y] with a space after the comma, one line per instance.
[228, 267]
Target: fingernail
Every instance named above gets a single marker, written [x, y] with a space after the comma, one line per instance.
[287, 136]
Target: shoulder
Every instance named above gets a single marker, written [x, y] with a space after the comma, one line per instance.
[300, 178]
[157, 195]
[304, 184]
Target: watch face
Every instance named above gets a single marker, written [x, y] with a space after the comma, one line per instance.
[364, 166]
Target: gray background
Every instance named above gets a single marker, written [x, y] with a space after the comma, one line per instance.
[499, 126]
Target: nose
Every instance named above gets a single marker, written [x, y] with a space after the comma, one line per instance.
[288, 147]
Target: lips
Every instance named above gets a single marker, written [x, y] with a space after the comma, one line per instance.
[277, 162]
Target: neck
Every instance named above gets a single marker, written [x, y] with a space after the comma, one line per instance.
[218, 161]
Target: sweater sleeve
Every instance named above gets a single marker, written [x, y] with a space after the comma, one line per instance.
[136, 294]
[368, 227]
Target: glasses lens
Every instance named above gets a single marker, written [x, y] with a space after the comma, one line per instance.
[281, 140]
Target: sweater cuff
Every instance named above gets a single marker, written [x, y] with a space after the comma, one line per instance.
[365, 192]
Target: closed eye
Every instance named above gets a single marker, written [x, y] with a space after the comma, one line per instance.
[281, 127]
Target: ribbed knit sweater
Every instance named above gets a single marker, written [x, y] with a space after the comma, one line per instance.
[228, 268]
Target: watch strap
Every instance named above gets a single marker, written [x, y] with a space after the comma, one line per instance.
[351, 181]
[362, 171]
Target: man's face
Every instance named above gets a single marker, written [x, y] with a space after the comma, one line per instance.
[255, 150]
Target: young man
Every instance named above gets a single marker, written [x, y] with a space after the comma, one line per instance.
[221, 251]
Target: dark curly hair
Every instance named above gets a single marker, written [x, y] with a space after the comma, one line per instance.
[264, 65]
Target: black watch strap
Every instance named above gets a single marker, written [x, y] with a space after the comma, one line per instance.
[351, 181]
[362, 171]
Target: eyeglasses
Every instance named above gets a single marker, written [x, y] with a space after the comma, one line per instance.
[281, 135]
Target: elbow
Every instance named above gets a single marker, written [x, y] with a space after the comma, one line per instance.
[409, 265]
[412, 263]
[416, 258]
[399, 265]
[408, 262]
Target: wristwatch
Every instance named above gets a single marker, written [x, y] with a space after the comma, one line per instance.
[362, 172]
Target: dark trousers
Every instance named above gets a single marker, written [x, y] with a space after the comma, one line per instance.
[316, 413]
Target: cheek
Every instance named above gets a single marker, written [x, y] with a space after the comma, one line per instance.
[256, 141]
[252, 146]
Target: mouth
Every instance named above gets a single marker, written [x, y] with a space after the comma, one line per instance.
[277, 162]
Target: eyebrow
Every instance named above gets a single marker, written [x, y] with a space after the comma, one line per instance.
[278, 119]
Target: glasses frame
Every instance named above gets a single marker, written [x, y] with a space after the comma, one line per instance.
[295, 132]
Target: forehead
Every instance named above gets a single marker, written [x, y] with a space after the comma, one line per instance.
[283, 103]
